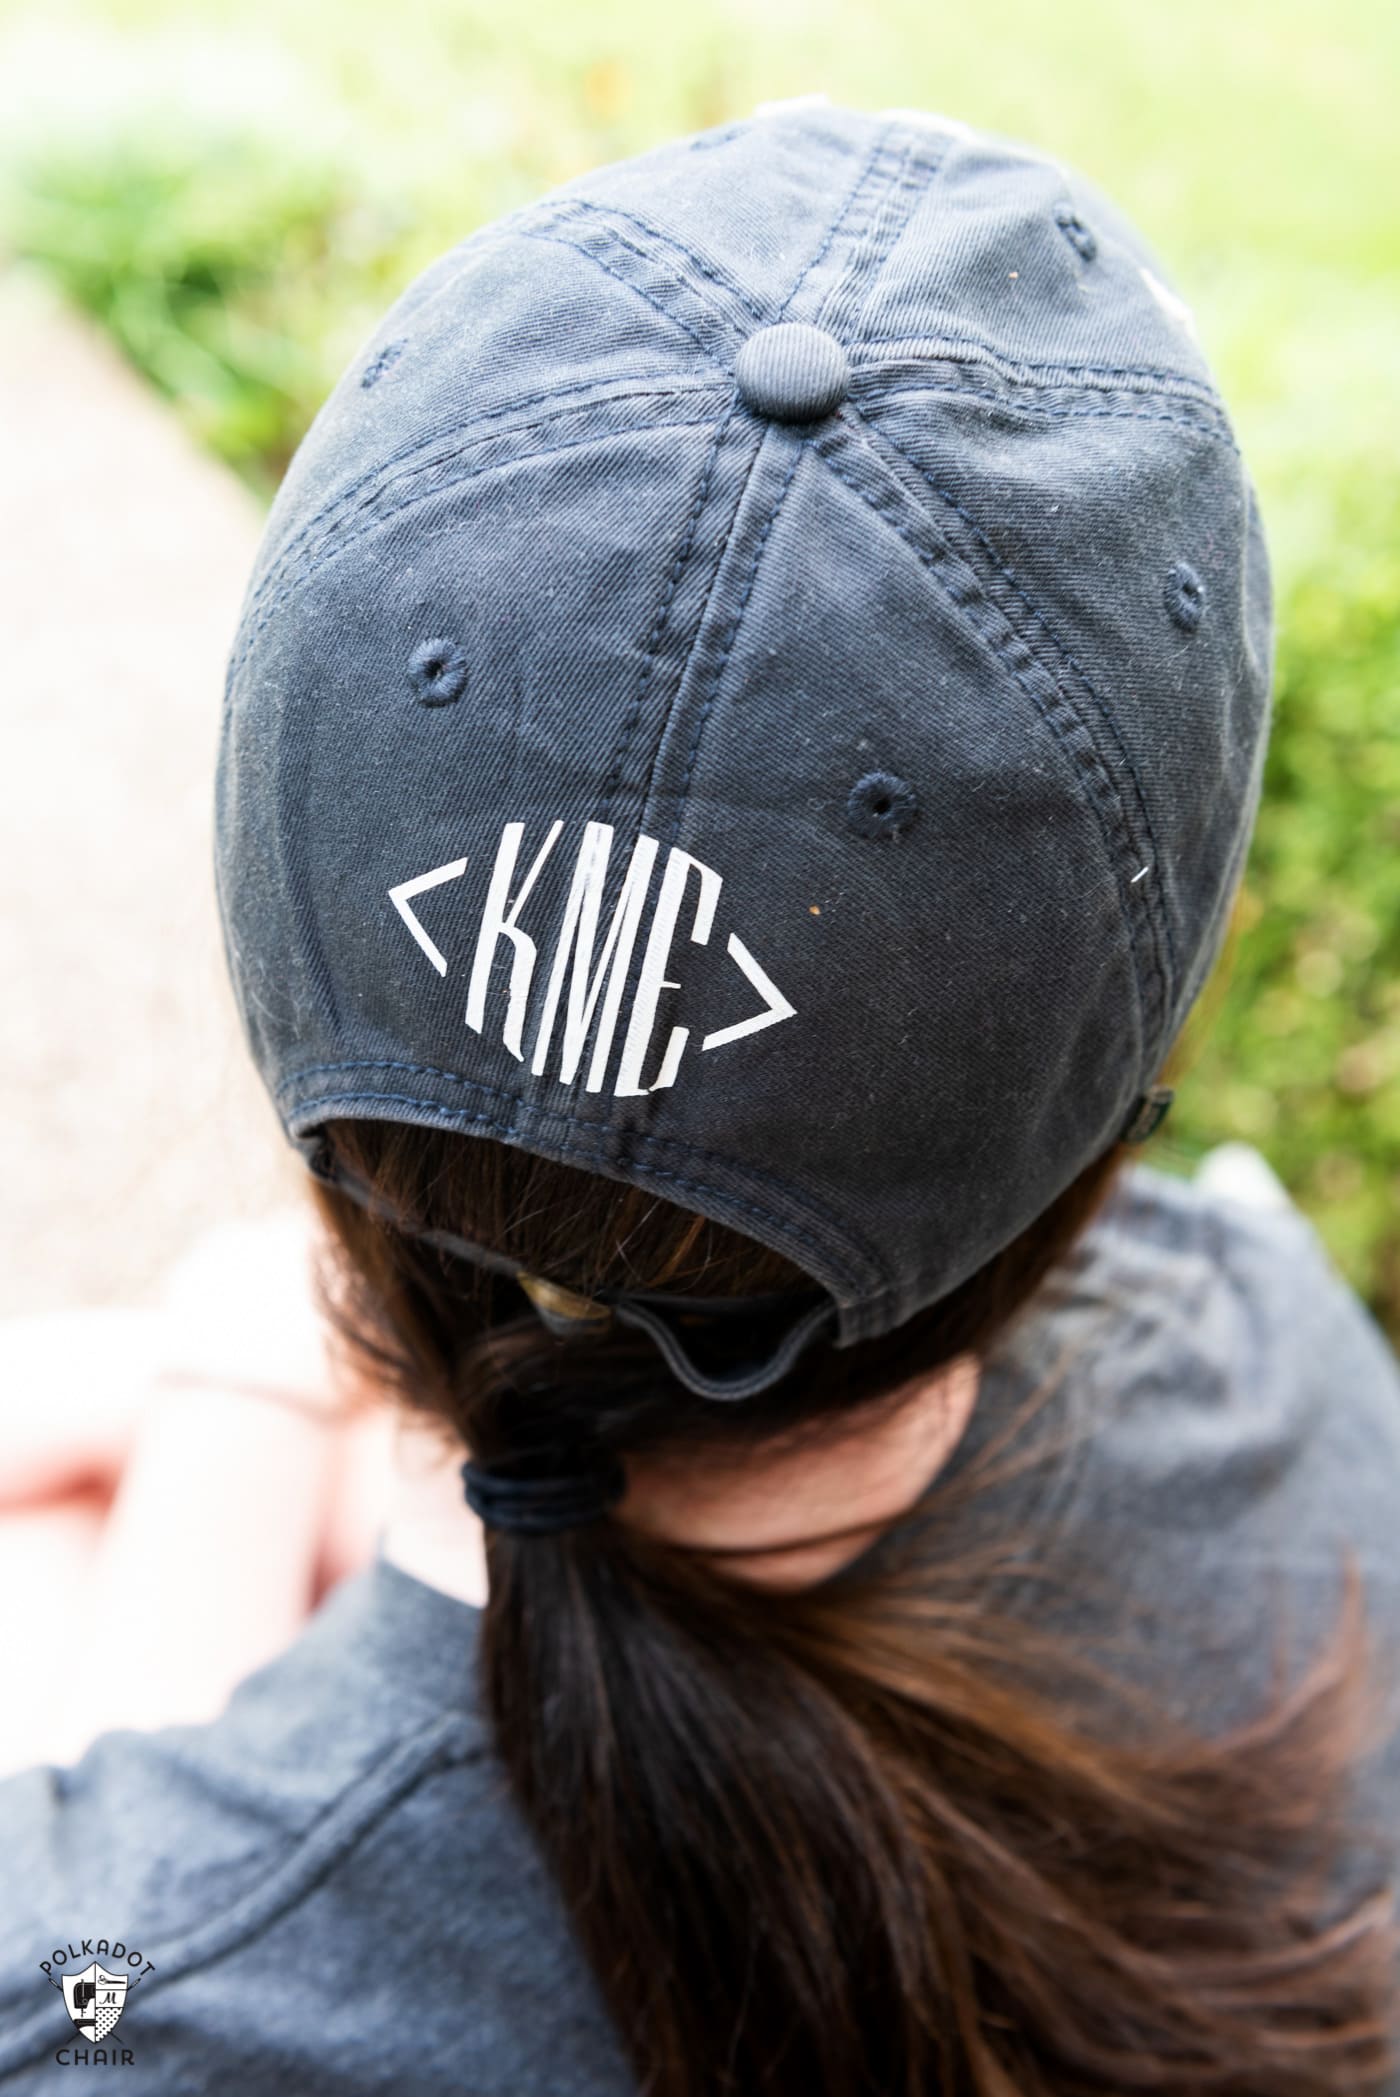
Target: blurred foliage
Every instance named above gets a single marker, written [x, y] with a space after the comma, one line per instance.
[238, 194]
[1295, 1046]
[217, 265]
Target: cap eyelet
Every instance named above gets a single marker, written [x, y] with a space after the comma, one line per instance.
[1184, 596]
[1075, 231]
[881, 805]
[438, 672]
[381, 362]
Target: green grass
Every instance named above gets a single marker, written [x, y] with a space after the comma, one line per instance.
[238, 193]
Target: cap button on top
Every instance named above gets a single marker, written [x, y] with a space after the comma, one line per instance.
[792, 372]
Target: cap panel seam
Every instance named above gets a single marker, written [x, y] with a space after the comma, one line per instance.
[558, 236]
[1065, 722]
[722, 660]
[712, 272]
[724, 542]
[1014, 406]
[639, 385]
[1161, 931]
[843, 305]
[831, 1259]
[654, 639]
[983, 351]
[866, 175]
[339, 539]
[877, 180]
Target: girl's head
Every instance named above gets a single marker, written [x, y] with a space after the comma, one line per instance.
[739, 749]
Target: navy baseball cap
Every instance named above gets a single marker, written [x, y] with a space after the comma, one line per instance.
[755, 684]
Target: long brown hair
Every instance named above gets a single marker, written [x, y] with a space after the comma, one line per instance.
[861, 1837]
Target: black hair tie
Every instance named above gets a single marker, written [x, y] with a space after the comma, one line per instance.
[527, 1503]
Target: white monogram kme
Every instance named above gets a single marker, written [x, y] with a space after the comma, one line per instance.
[573, 978]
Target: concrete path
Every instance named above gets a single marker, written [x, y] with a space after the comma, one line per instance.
[130, 1116]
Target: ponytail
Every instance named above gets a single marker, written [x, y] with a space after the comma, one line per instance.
[881, 1836]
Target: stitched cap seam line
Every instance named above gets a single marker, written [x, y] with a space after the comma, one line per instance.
[713, 273]
[1067, 725]
[336, 543]
[870, 404]
[629, 384]
[758, 1174]
[559, 237]
[1155, 903]
[980, 350]
[834, 1257]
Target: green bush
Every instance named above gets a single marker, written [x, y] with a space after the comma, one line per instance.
[232, 272]
[1301, 1055]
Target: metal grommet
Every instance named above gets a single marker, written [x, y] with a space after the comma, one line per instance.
[562, 1311]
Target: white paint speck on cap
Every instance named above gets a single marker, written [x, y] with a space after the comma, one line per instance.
[818, 99]
[1175, 309]
[932, 120]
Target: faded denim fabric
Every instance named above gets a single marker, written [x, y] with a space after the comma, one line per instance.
[805, 774]
[330, 1883]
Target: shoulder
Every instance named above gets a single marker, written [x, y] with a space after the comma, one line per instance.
[1238, 1293]
[173, 1847]
[167, 1814]
[1241, 1418]
[326, 1889]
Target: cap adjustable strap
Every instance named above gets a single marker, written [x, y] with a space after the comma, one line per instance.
[774, 1326]
[647, 1314]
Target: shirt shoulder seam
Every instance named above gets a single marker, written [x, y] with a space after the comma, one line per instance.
[452, 1737]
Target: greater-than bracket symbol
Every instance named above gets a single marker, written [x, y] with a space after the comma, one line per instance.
[776, 1005]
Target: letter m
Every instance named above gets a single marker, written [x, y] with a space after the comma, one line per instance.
[574, 955]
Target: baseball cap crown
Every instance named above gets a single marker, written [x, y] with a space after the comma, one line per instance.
[756, 684]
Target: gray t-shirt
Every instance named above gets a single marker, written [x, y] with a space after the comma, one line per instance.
[326, 1889]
